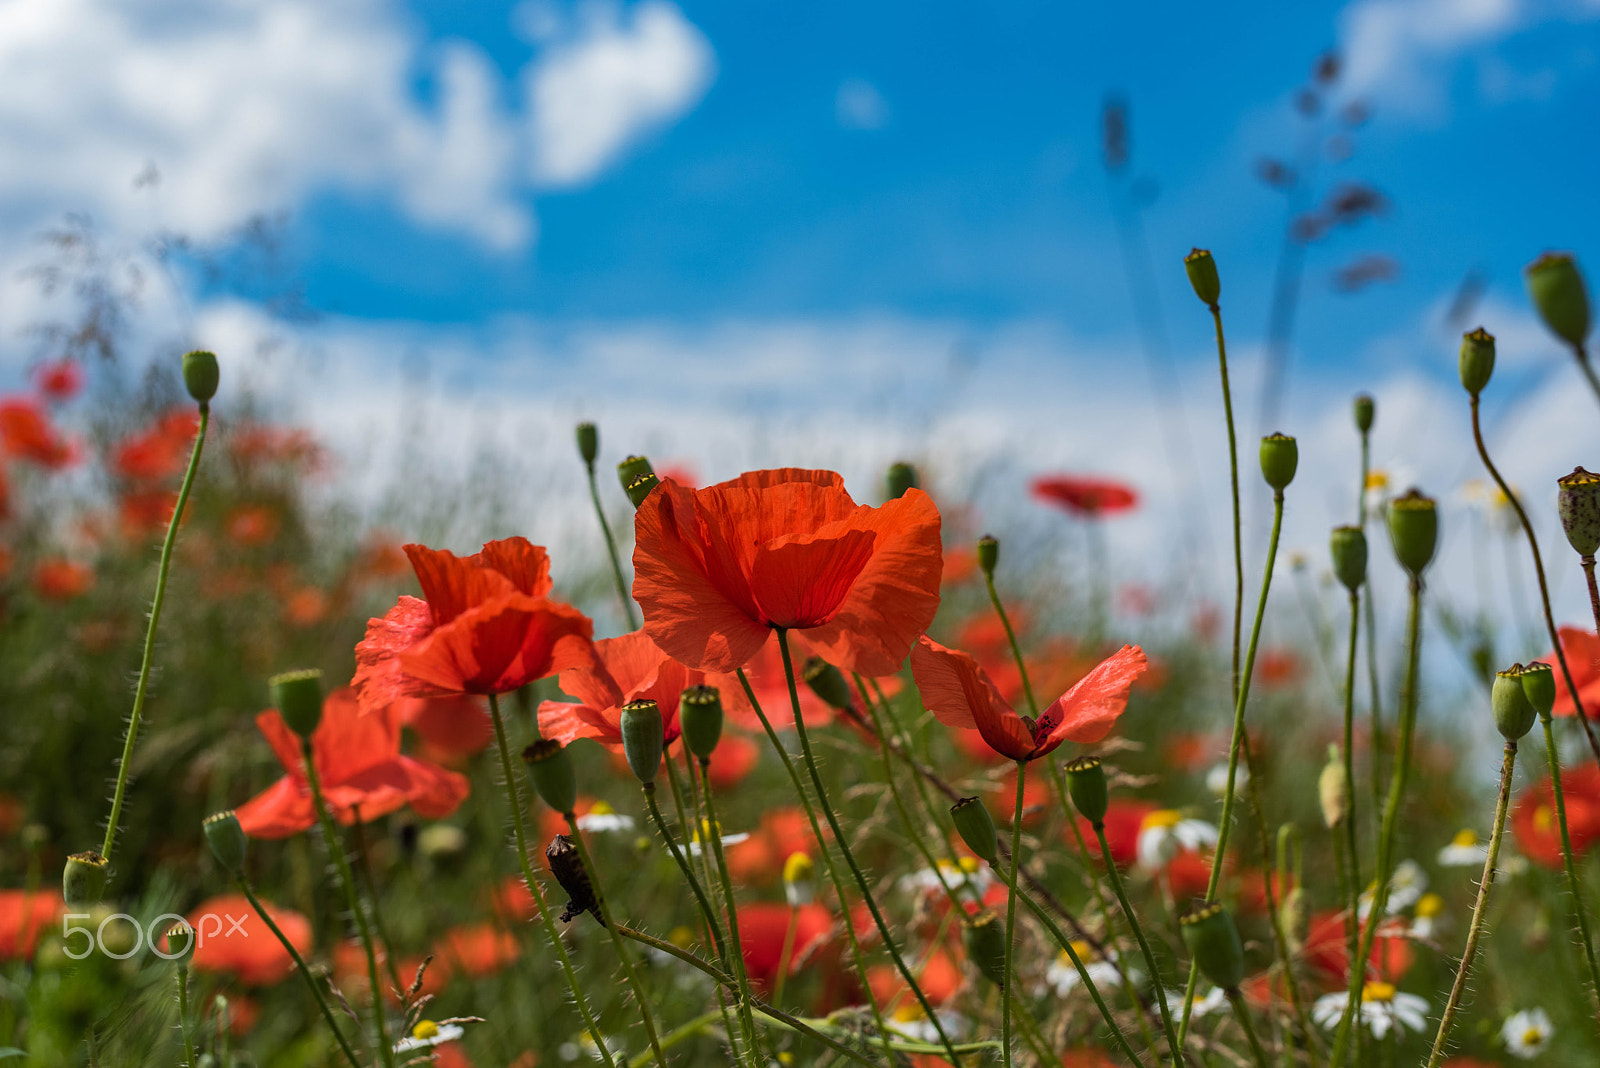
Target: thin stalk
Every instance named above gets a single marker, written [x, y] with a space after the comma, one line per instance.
[183, 1015]
[1375, 742]
[611, 551]
[1144, 945]
[300, 965]
[1573, 884]
[1233, 477]
[714, 833]
[145, 660]
[1479, 909]
[706, 910]
[1011, 914]
[1594, 591]
[1016, 648]
[849, 855]
[1582, 354]
[677, 1037]
[1241, 1012]
[1351, 848]
[786, 954]
[353, 900]
[1544, 587]
[520, 834]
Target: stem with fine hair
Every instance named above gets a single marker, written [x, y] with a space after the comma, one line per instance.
[1011, 913]
[1544, 587]
[611, 550]
[1479, 908]
[712, 840]
[520, 836]
[1241, 1012]
[143, 686]
[1352, 927]
[1587, 563]
[1144, 943]
[1579, 911]
[706, 910]
[183, 1015]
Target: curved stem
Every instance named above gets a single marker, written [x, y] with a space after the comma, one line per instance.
[1479, 909]
[1011, 914]
[148, 656]
[520, 834]
[714, 834]
[611, 551]
[1241, 1011]
[1233, 475]
[1144, 945]
[1580, 913]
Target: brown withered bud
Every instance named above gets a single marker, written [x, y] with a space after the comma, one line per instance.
[567, 866]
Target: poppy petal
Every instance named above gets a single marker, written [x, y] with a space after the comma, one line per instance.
[1087, 712]
[451, 584]
[959, 694]
[498, 647]
[379, 682]
[800, 580]
[525, 564]
[282, 810]
[566, 722]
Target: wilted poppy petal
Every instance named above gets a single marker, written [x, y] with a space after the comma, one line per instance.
[1087, 712]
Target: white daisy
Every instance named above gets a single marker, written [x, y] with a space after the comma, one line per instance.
[1406, 888]
[1383, 1008]
[1217, 779]
[1216, 1000]
[1428, 916]
[428, 1034]
[1164, 832]
[908, 1020]
[969, 873]
[1465, 850]
[1062, 975]
[602, 818]
[1527, 1033]
[705, 832]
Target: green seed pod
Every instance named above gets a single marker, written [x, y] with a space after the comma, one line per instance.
[1365, 409]
[588, 442]
[901, 477]
[1513, 712]
[1558, 292]
[1213, 941]
[553, 777]
[985, 936]
[1414, 530]
[1348, 548]
[700, 715]
[642, 738]
[1086, 783]
[200, 375]
[298, 698]
[977, 829]
[1202, 270]
[641, 486]
[1330, 790]
[83, 881]
[632, 468]
[1578, 503]
[988, 553]
[1477, 360]
[1539, 687]
[827, 682]
[1280, 456]
[180, 939]
[226, 839]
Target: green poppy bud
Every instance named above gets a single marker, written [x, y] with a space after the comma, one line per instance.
[298, 698]
[1086, 783]
[1539, 687]
[180, 939]
[985, 936]
[641, 486]
[988, 553]
[588, 442]
[1477, 360]
[200, 375]
[1202, 270]
[83, 881]
[226, 839]
[1348, 548]
[901, 477]
[632, 468]
[1578, 503]
[827, 682]
[977, 829]
[700, 715]
[1558, 292]
[1330, 790]
[642, 738]
[1513, 712]
[1213, 941]
[1414, 531]
[1280, 456]
[1365, 409]
[553, 777]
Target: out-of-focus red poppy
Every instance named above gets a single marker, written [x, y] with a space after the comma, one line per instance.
[62, 580]
[243, 1013]
[765, 671]
[960, 564]
[1082, 495]
[12, 811]
[382, 559]
[1277, 668]
[486, 626]
[759, 859]
[145, 513]
[261, 443]
[960, 694]
[716, 569]
[5, 494]
[1123, 822]
[1328, 958]
[6, 559]
[160, 450]
[350, 970]
[449, 727]
[358, 760]
[1534, 822]
[762, 926]
[26, 433]
[1037, 799]
[735, 757]
[230, 937]
[681, 473]
[1188, 873]
[24, 916]
[59, 380]
[477, 949]
[1582, 650]
[252, 525]
[305, 606]
[940, 979]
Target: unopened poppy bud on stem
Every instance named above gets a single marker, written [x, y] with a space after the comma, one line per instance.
[985, 937]
[1477, 360]
[827, 682]
[901, 477]
[977, 829]
[1558, 292]
[1086, 783]
[631, 468]
[1365, 409]
[1213, 941]
[1513, 712]
[1330, 790]
[641, 729]
[226, 839]
[641, 485]
[1578, 504]
[83, 880]
[1348, 548]
[1202, 270]
[1539, 687]
[588, 442]
[988, 553]
[1414, 530]
[298, 698]
[550, 768]
[200, 375]
[1280, 457]
[700, 715]
[180, 939]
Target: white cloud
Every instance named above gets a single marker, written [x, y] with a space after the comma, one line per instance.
[859, 106]
[621, 76]
[1393, 45]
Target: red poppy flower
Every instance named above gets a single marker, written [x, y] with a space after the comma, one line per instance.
[762, 926]
[1085, 496]
[484, 627]
[24, 916]
[59, 380]
[960, 694]
[940, 979]
[358, 760]
[26, 433]
[1037, 799]
[252, 525]
[1123, 821]
[450, 727]
[159, 451]
[230, 937]
[735, 757]
[146, 513]
[350, 972]
[305, 606]
[62, 580]
[759, 859]
[1328, 957]
[1534, 819]
[477, 950]
[716, 569]
[1582, 650]
[253, 443]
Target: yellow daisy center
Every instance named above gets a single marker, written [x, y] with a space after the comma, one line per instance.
[600, 808]
[1377, 990]
[797, 868]
[1532, 1037]
[1162, 817]
[1465, 837]
[910, 1012]
[1429, 906]
[425, 1030]
[1377, 480]
[969, 865]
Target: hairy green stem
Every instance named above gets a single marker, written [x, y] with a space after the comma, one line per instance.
[1374, 710]
[1241, 1012]
[706, 910]
[1579, 911]
[714, 835]
[183, 1015]
[1144, 945]
[1011, 913]
[1353, 881]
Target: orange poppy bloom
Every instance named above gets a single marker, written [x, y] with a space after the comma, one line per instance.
[159, 451]
[230, 937]
[1534, 822]
[762, 927]
[147, 512]
[1328, 957]
[717, 569]
[24, 917]
[1582, 650]
[252, 524]
[26, 433]
[358, 760]
[452, 728]
[485, 626]
[759, 859]
[477, 950]
[960, 694]
[1123, 821]
[59, 380]
[62, 580]
[350, 971]
[1085, 496]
